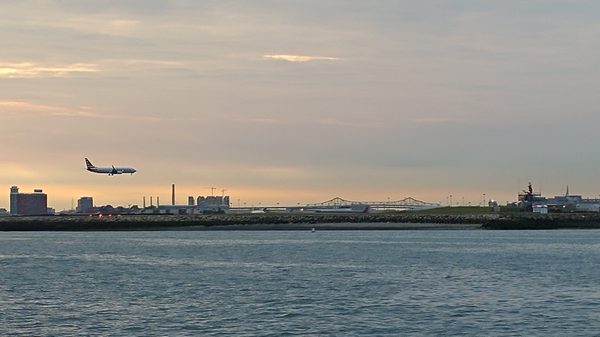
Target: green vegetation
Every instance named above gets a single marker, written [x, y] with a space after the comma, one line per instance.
[481, 217]
[470, 210]
[458, 210]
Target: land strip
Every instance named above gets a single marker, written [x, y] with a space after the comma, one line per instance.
[291, 221]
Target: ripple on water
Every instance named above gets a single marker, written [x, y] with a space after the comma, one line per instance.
[326, 283]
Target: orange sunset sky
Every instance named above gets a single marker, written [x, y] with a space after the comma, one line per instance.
[299, 101]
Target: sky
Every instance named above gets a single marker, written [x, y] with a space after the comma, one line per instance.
[300, 101]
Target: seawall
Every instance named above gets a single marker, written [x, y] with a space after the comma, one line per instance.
[240, 221]
[286, 221]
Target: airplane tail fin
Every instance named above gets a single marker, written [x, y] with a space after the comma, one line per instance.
[88, 163]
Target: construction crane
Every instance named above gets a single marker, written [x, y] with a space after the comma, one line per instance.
[212, 190]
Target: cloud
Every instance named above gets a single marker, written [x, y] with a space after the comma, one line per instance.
[27, 69]
[435, 120]
[145, 62]
[299, 58]
[353, 123]
[26, 107]
[256, 120]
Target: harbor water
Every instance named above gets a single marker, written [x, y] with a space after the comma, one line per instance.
[288, 283]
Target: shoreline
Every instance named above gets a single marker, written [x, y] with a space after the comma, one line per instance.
[355, 221]
[336, 226]
[294, 221]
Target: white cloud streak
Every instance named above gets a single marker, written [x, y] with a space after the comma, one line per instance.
[299, 58]
[30, 70]
[26, 107]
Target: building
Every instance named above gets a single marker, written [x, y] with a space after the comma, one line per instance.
[14, 191]
[85, 205]
[528, 199]
[204, 205]
[213, 201]
[537, 203]
[570, 203]
[35, 203]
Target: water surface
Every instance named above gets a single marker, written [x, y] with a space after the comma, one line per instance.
[277, 283]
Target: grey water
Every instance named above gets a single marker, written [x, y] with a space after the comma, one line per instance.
[299, 283]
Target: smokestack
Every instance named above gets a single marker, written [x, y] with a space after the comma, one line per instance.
[151, 201]
[173, 194]
[144, 202]
[157, 201]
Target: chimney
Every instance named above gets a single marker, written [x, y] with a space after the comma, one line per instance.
[173, 194]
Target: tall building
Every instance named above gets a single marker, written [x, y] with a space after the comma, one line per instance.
[35, 203]
[14, 191]
[85, 205]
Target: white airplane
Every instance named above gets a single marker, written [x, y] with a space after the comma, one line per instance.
[108, 170]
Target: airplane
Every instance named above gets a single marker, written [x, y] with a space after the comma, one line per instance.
[108, 170]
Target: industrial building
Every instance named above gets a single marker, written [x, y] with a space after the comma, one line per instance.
[85, 205]
[199, 205]
[195, 205]
[35, 203]
[535, 202]
[209, 204]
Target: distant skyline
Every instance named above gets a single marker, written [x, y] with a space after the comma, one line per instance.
[299, 101]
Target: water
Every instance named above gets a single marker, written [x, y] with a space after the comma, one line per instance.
[272, 283]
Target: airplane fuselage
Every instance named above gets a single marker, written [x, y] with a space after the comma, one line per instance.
[108, 170]
[112, 170]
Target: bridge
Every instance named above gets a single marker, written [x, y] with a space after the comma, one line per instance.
[409, 203]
